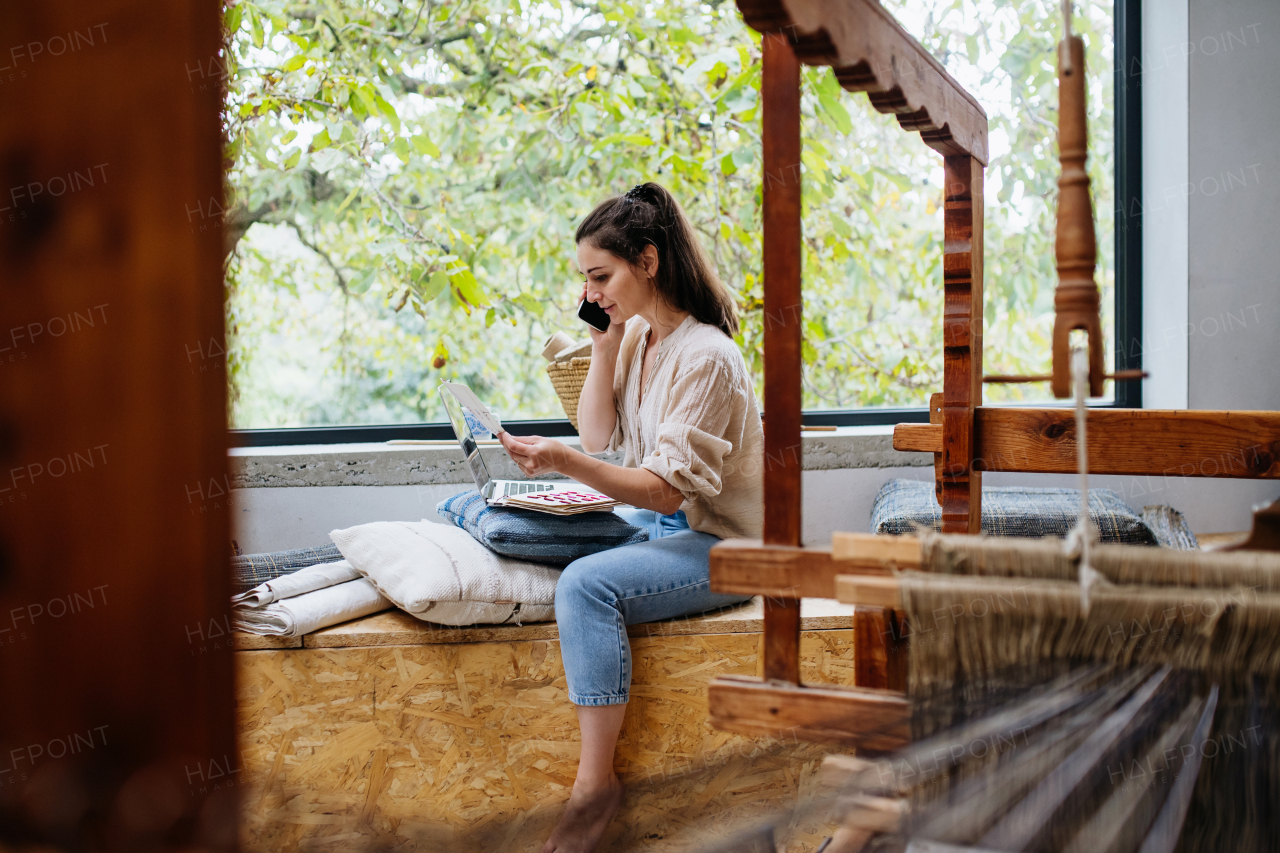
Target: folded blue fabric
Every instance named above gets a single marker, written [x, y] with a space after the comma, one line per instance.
[538, 536]
[1011, 511]
[250, 570]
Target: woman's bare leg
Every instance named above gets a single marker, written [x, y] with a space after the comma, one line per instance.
[597, 792]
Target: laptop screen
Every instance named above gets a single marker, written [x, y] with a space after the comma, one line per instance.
[461, 429]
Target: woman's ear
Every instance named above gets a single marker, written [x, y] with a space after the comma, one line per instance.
[649, 260]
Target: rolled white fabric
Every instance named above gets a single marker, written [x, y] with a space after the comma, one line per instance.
[578, 350]
[557, 342]
[297, 583]
[311, 611]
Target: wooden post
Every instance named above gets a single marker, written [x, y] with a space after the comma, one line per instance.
[878, 639]
[962, 342]
[117, 718]
[880, 649]
[780, 93]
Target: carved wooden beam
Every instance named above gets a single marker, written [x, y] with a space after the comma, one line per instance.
[868, 552]
[1137, 442]
[868, 719]
[750, 567]
[924, 438]
[872, 53]
[960, 494]
[869, 591]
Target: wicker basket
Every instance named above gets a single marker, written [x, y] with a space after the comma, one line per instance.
[567, 378]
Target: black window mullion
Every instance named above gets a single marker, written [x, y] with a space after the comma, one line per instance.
[1128, 177]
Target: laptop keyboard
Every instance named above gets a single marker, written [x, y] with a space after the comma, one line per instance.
[525, 488]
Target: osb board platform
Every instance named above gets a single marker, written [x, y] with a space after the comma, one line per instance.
[241, 640]
[473, 747]
[397, 628]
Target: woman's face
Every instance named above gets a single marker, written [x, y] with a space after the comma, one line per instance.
[620, 289]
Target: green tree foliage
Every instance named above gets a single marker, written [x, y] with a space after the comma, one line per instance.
[406, 178]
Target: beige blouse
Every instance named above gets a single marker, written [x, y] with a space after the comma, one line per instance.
[697, 425]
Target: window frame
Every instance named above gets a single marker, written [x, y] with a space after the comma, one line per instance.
[1127, 50]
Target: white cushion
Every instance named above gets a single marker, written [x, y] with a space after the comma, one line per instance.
[440, 574]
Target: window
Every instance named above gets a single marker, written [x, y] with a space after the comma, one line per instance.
[406, 182]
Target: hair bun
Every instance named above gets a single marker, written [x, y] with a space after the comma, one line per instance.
[686, 279]
[640, 192]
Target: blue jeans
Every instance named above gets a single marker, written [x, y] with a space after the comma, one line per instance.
[598, 596]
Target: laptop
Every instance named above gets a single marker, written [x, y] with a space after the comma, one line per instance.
[494, 492]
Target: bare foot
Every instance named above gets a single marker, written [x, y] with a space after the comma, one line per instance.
[585, 818]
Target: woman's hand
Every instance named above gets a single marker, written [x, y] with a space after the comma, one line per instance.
[609, 340]
[597, 414]
[535, 455]
[640, 487]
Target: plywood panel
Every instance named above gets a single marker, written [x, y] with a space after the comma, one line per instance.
[397, 628]
[474, 746]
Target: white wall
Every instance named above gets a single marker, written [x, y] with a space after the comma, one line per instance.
[1234, 205]
[1211, 175]
[1165, 116]
[276, 519]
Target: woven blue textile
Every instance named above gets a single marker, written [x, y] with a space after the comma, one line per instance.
[538, 536]
[1011, 511]
[250, 570]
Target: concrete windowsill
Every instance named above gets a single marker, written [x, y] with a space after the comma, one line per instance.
[441, 464]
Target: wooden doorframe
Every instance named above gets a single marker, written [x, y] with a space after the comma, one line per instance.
[117, 721]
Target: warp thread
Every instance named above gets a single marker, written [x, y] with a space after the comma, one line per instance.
[1064, 49]
[986, 631]
[1119, 564]
[1083, 533]
[978, 640]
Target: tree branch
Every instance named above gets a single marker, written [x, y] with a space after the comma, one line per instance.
[320, 253]
[237, 220]
[414, 86]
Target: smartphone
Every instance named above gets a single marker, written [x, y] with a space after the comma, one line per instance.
[593, 315]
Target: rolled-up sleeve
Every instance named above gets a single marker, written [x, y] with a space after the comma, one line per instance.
[616, 440]
[691, 441]
[621, 379]
[619, 436]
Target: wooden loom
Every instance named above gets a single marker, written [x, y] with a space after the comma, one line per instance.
[870, 52]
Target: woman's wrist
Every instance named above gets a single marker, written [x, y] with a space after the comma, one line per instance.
[573, 466]
[605, 348]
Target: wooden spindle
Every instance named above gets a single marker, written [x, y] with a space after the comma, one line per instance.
[1076, 301]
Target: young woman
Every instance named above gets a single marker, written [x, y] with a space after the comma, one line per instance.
[668, 385]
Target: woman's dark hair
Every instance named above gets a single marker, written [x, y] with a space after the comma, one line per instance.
[648, 215]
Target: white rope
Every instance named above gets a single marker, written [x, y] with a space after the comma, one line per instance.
[1065, 47]
[1083, 532]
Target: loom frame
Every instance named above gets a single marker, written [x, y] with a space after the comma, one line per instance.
[871, 52]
